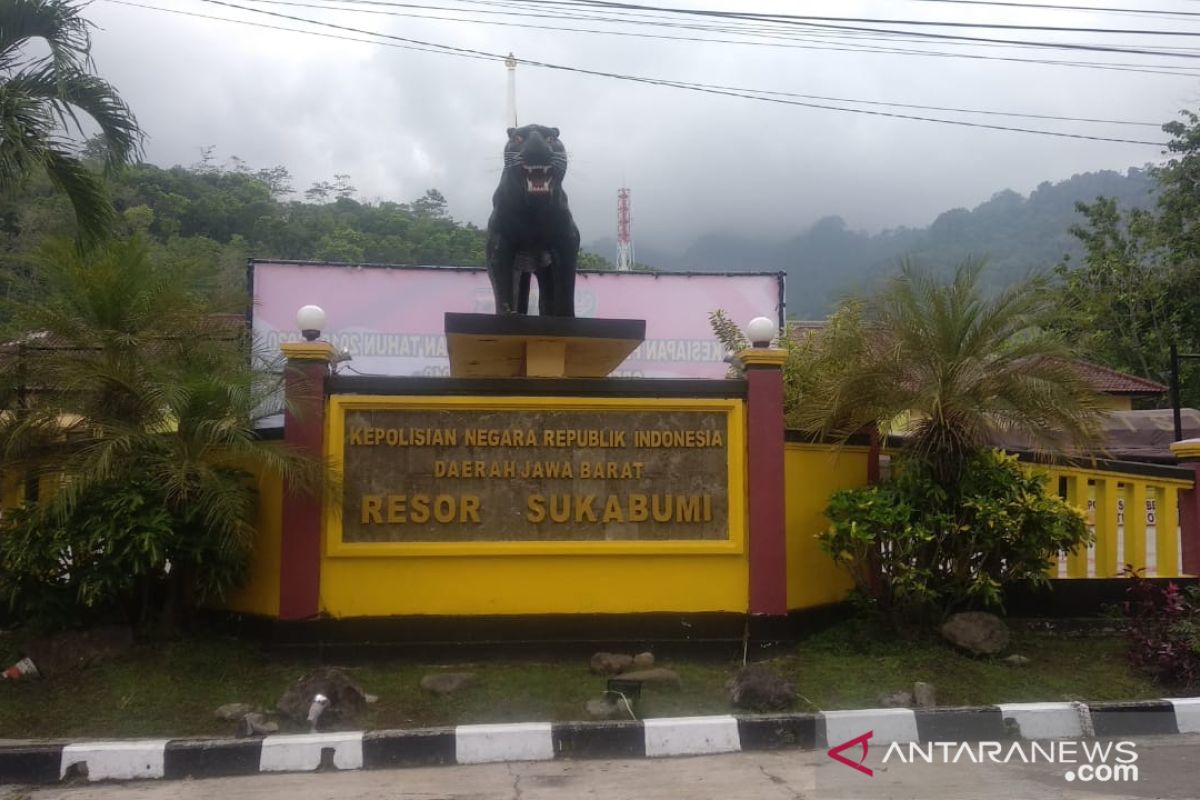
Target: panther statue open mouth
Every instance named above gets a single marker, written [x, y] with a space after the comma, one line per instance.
[531, 229]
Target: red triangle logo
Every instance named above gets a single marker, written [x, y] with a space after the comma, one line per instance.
[836, 753]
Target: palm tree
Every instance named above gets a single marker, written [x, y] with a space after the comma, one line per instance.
[122, 375]
[41, 103]
[950, 368]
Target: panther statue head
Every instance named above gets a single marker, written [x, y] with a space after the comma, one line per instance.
[535, 157]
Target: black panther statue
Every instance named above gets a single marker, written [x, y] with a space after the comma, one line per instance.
[531, 229]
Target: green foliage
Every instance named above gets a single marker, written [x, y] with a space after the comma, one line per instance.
[41, 97]
[950, 368]
[941, 364]
[124, 551]
[123, 375]
[818, 359]
[1137, 287]
[935, 552]
[1164, 631]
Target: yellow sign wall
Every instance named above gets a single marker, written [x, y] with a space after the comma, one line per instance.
[447, 476]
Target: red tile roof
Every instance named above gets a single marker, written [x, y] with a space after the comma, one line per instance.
[1110, 381]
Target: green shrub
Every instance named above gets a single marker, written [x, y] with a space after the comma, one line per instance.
[1164, 631]
[123, 553]
[913, 547]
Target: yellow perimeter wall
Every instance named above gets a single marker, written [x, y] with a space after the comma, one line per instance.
[812, 473]
[260, 594]
[557, 583]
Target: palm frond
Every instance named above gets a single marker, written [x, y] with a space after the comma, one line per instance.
[66, 91]
[56, 22]
[88, 196]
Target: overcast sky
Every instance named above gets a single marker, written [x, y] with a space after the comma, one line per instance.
[400, 121]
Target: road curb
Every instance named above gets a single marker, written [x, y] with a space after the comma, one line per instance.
[50, 762]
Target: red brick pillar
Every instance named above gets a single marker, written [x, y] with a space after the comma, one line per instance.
[303, 432]
[1188, 454]
[765, 499]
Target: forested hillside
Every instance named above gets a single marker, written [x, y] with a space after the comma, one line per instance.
[226, 213]
[1016, 234]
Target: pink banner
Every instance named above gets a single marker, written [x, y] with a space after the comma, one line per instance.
[390, 319]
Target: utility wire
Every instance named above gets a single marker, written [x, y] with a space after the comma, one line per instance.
[1059, 7]
[806, 18]
[472, 53]
[790, 41]
[987, 112]
[812, 22]
[519, 9]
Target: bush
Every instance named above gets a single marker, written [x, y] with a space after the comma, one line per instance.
[911, 546]
[1164, 631]
[123, 553]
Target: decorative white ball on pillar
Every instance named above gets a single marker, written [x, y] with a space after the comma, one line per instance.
[311, 320]
[761, 331]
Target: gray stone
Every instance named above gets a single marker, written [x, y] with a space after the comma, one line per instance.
[976, 632]
[231, 712]
[924, 695]
[371, 699]
[657, 676]
[605, 708]
[896, 700]
[446, 682]
[346, 698]
[610, 663]
[643, 660]
[757, 688]
[1015, 660]
[255, 724]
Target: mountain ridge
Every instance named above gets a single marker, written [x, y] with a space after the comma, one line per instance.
[1017, 234]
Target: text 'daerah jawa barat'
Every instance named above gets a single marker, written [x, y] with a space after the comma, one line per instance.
[434, 475]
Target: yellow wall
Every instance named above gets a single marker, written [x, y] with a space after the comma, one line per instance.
[481, 585]
[538, 577]
[1114, 402]
[260, 594]
[811, 474]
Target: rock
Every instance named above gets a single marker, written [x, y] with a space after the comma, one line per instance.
[924, 695]
[757, 688]
[255, 724]
[1015, 660]
[643, 661]
[610, 663]
[72, 650]
[658, 675]
[346, 698]
[605, 708]
[976, 632]
[446, 682]
[371, 699]
[896, 700]
[231, 712]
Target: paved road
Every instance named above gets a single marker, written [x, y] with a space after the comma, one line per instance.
[1169, 768]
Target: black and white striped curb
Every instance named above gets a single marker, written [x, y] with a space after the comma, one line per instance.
[543, 741]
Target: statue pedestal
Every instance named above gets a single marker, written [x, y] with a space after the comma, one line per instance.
[514, 346]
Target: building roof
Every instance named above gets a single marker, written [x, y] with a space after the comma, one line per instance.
[1110, 381]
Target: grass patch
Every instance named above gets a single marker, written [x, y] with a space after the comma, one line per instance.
[172, 689]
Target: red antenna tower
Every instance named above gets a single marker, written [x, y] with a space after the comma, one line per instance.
[624, 242]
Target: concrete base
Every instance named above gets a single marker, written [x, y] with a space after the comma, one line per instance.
[496, 346]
